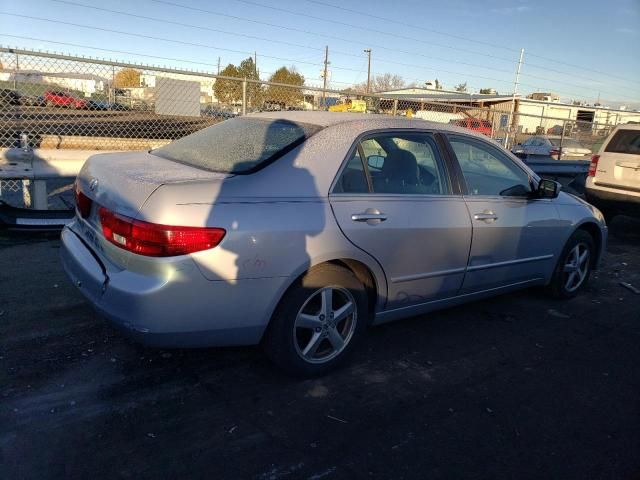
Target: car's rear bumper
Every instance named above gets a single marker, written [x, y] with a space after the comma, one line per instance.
[613, 199]
[184, 309]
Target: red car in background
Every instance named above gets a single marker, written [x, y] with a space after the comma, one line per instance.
[480, 126]
[62, 99]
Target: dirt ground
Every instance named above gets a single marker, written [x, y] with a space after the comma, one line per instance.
[518, 386]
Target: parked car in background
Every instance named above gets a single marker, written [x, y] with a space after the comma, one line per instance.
[63, 99]
[555, 147]
[218, 112]
[480, 126]
[102, 105]
[613, 182]
[32, 101]
[9, 97]
[298, 230]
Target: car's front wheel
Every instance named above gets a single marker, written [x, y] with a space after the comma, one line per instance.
[318, 322]
[574, 266]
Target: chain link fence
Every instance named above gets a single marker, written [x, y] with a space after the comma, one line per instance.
[55, 101]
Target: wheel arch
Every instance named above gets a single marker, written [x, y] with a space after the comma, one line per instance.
[370, 274]
[595, 232]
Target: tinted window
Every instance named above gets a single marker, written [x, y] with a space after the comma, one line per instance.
[488, 171]
[237, 145]
[625, 141]
[353, 178]
[405, 164]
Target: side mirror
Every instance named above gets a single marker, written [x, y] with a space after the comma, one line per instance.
[548, 189]
[375, 161]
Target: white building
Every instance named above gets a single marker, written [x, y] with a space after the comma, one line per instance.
[83, 82]
[207, 93]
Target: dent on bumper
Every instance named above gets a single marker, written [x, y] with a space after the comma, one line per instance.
[185, 310]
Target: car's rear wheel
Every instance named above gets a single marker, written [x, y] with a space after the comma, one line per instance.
[574, 266]
[318, 321]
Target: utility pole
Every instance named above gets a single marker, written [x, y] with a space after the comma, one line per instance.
[513, 99]
[218, 65]
[255, 64]
[324, 76]
[368, 52]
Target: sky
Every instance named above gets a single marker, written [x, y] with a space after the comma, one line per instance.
[582, 50]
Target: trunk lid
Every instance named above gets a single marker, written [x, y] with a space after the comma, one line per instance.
[123, 182]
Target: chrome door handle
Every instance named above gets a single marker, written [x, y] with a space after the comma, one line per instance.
[366, 217]
[486, 216]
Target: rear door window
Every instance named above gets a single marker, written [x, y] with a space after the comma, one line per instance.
[625, 141]
[239, 145]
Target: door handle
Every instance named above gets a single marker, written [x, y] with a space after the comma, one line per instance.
[368, 217]
[486, 216]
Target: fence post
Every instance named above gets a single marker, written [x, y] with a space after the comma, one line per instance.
[564, 126]
[395, 107]
[244, 97]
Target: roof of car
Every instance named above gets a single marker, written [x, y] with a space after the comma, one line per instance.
[327, 119]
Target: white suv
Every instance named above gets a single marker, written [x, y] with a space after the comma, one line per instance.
[613, 184]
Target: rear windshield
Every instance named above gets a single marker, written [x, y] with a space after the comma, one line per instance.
[625, 141]
[239, 145]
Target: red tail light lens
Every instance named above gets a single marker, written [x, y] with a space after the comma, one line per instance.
[555, 153]
[83, 203]
[593, 166]
[155, 240]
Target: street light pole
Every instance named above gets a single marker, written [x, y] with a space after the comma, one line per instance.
[368, 52]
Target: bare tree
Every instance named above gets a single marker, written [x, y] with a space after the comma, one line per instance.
[461, 87]
[381, 83]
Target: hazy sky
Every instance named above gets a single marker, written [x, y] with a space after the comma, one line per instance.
[578, 49]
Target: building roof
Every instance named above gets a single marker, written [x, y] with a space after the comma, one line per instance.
[431, 95]
[357, 122]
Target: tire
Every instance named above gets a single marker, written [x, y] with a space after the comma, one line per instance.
[572, 265]
[300, 324]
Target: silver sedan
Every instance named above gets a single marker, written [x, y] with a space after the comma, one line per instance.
[298, 230]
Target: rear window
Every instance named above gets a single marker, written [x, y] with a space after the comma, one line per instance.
[566, 142]
[239, 145]
[625, 141]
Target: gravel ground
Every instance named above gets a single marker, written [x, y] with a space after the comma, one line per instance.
[518, 386]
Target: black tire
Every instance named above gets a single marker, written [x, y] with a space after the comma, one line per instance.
[282, 340]
[558, 287]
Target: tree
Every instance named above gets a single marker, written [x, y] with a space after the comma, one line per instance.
[127, 77]
[438, 85]
[285, 95]
[488, 91]
[248, 70]
[461, 87]
[382, 83]
[228, 91]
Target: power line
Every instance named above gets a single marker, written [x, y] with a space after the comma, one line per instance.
[380, 60]
[383, 60]
[151, 37]
[126, 52]
[546, 68]
[459, 37]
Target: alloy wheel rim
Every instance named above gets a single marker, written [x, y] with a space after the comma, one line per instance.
[325, 324]
[576, 267]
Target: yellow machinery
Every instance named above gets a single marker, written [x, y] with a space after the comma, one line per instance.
[348, 105]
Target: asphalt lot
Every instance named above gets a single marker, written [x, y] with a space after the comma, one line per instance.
[514, 387]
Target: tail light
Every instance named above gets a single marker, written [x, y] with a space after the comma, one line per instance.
[593, 166]
[83, 203]
[555, 153]
[155, 240]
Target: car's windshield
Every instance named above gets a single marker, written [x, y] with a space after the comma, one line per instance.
[238, 145]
